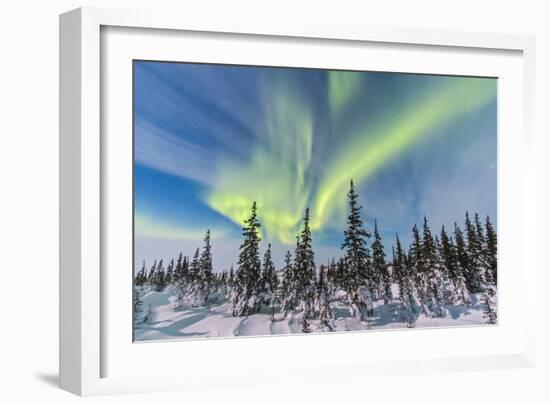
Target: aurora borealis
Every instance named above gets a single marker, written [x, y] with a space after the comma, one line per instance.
[210, 139]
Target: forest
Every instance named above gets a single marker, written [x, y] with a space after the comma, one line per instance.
[436, 272]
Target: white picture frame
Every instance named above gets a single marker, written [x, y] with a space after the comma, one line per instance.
[88, 349]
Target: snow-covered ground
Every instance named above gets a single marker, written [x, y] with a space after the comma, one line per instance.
[165, 322]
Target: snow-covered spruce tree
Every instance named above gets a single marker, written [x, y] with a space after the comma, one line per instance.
[229, 284]
[170, 273]
[417, 270]
[221, 284]
[286, 286]
[219, 288]
[181, 280]
[463, 260]
[491, 239]
[487, 283]
[152, 273]
[231, 277]
[323, 301]
[341, 274]
[476, 258]
[269, 281]
[192, 290]
[158, 278]
[194, 267]
[488, 298]
[357, 280]
[304, 270]
[141, 277]
[403, 277]
[432, 271]
[380, 268]
[398, 271]
[483, 250]
[181, 269]
[459, 294]
[332, 277]
[480, 232]
[206, 278]
[322, 284]
[247, 278]
[444, 291]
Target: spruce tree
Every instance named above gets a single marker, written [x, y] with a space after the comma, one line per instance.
[152, 273]
[476, 256]
[169, 273]
[488, 269]
[431, 272]
[463, 259]
[417, 268]
[453, 269]
[178, 270]
[158, 278]
[441, 285]
[491, 239]
[322, 283]
[428, 249]
[323, 300]
[379, 267]
[415, 255]
[411, 303]
[305, 274]
[398, 269]
[358, 271]
[181, 279]
[141, 277]
[269, 280]
[231, 277]
[193, 289]
[403, 277]
[479, 231]
[287, 285]
[194, 268]
[205, 271]
[245, 290]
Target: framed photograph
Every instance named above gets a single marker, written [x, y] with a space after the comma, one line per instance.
[258, 192]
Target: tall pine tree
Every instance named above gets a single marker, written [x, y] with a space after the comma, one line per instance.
[358, 270]
[287, 285]
[431, 272]
[476, 257]
[305, 274]
[269, 280]
[206, 277]
[247, 278]
[379, 268]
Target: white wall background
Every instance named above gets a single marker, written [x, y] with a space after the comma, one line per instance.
[29, 201]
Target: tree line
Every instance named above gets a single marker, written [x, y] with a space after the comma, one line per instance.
[436, 271]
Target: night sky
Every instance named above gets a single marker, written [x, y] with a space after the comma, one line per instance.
[211, 139]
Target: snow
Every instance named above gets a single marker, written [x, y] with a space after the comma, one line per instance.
[168, 322]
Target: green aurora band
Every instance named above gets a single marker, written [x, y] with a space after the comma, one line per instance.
[278, 175]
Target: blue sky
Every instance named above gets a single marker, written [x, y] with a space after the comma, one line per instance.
[210, 139]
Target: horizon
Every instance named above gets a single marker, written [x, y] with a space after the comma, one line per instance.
[278, 255]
